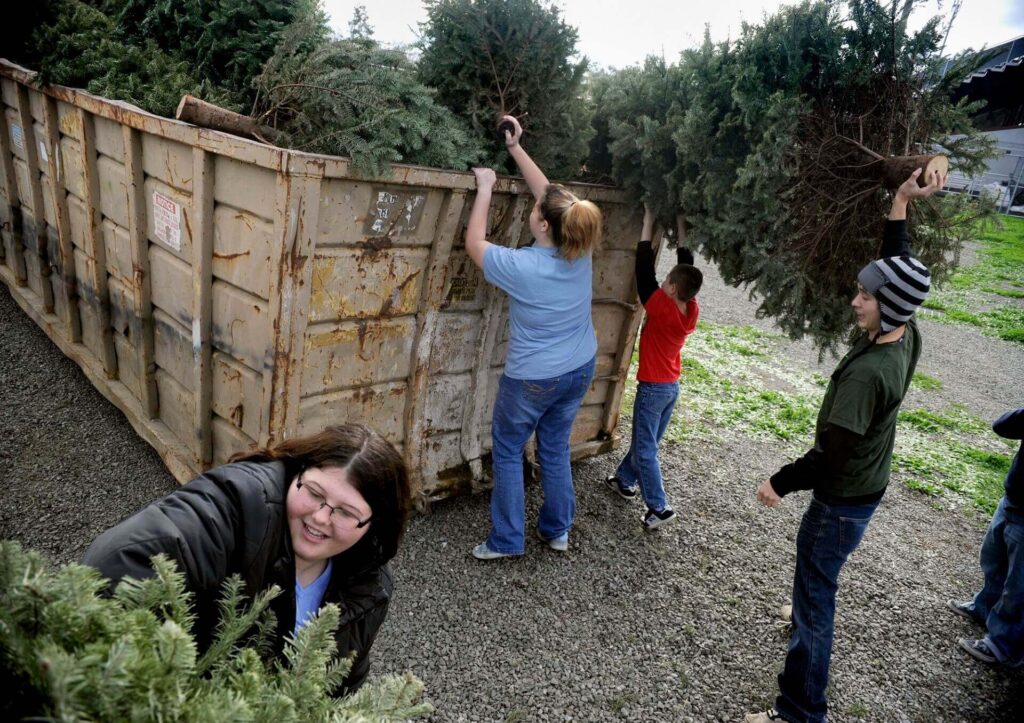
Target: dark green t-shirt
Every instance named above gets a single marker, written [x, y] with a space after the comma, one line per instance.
[864, 396]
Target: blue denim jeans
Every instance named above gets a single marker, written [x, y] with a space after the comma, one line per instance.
[1000, 603]
[652, 411]
[547, 406]
[827, 536]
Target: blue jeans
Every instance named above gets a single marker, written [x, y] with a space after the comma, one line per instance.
[652, 411]
[828, 534]
[1000, 603]
[547, 406]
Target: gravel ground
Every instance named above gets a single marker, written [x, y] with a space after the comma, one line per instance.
[677, 625]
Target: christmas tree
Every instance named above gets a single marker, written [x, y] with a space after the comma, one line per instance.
[70, 652]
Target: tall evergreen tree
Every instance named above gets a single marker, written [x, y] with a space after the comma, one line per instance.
[488, 58]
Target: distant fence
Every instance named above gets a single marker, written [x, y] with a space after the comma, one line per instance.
[1004, 177]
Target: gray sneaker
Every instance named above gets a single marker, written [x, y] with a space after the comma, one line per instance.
[979, 649]
[653, 519]
[965, 609]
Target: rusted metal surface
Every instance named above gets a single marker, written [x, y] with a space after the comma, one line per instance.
[224, 293]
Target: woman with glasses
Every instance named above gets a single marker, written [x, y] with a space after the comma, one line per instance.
[319, 516]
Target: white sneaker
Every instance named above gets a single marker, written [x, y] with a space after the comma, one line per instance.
[558, 544]
[786, 613]
[764, 717]
[483, 552]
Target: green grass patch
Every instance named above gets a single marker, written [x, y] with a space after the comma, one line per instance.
[924, 382]
[1008, 293]
[858, 710]
[728, 394]
[956, 418]
[936, 464]
[924, 487]
[966, 298]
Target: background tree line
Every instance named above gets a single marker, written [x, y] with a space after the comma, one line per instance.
[771, 145]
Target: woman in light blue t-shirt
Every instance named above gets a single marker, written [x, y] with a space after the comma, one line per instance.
[551, 349]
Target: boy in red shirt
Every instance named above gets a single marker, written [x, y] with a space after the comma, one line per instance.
[671, 317]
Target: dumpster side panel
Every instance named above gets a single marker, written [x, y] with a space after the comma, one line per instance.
[223, 293]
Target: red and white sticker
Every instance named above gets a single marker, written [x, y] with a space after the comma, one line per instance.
[167, 220]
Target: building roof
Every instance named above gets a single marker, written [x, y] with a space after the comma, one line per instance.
[1007, 55]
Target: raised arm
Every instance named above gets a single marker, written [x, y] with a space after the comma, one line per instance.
[532, 174]
[895, 241]
[646, 280]
[476, 228]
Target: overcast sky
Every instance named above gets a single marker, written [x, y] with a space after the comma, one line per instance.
[614, 33]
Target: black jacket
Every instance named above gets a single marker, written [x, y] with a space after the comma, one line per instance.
[1011, 426]
[232, 520]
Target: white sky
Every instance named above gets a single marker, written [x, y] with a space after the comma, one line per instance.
[616, 33]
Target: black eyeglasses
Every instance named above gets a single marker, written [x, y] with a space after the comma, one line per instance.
[345, 519]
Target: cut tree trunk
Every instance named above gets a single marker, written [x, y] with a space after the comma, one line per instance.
[200, 113]
[892, 172]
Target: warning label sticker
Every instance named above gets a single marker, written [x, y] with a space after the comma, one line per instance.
[167, 221]
[17, 136]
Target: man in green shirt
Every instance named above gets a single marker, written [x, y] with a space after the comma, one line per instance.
[848, 468]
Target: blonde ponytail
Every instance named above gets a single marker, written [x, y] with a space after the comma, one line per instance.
[575, 224]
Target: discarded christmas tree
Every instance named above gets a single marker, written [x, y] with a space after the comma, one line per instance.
[489, 58]
[70, 653]
[784, 145]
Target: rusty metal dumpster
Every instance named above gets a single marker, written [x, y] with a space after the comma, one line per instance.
[224, 293]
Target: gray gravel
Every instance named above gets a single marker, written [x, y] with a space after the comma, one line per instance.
[676, 625]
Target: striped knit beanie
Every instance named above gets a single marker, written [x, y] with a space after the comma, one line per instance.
[900, 283]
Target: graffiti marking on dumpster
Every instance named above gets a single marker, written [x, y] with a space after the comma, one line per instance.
[167, 220]
[393, 212]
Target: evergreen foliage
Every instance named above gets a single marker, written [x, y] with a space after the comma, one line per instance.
[69, 652]
[488, 58]
[152, 53]
[227, 42]
[80, 46]
[352, 97]
[762, 144]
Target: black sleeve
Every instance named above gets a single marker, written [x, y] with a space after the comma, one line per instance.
[195, 526]
[1010, 425]
[356, 638]
[895, 241]
[817, 465]
[684, 255]
[646, 281]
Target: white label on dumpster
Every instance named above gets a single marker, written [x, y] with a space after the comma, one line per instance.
[17, 136]
[43, 155]
[166, 220]
[394, 213]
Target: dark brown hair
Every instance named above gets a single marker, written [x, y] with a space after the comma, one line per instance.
[373, 466]
[575, 224]
[687, 280]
